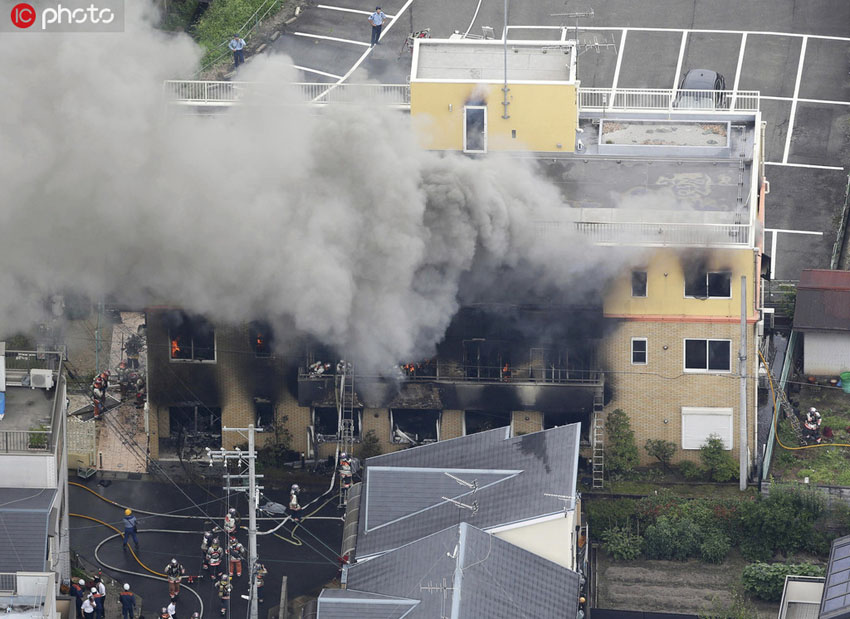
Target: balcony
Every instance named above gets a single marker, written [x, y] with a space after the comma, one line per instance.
[690, 101]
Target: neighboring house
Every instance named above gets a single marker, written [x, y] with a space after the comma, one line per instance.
[811, 597]
[459, 572]
[519, 488]
[822, 315]
[34, 528]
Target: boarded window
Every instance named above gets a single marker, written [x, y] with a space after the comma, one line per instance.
[699, 423]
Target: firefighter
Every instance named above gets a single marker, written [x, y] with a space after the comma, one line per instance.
[214, 557]
[99, 598]
[164, 613]
[294, 506]
[205, 544]
[123, 376]
[174, 572]
[224, 589]
[812, 425]
[236, 553]
[130, 528]
[231, 521]
[260, 572]
[78, 590]
[97, 394]
[344, 471]
[140, 391]
[128, 602]
[104, 376]
[132, 348]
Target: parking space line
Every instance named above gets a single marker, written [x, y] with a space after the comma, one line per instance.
[709, 31]
[324, 38]
[738, 68]
[800, 100]
[339, 8]
[774, 237]
[316, 71]
[794, 101]
[681, 58]
[617, 68]
[813, 166]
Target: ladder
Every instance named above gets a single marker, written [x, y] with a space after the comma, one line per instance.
[598, 432]
[345, 410]
[791, 414]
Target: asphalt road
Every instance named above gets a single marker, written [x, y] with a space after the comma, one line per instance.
[308, 558]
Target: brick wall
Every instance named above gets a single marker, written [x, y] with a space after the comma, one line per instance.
[653, 394]
[451, 424]
[526, 422]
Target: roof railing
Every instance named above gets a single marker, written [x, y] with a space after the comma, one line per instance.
[620, 99]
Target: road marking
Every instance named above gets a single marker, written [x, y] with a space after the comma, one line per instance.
[324, 38]
[709, 31]
[339, 8]
[617, 68]
[681, 58]
[817, 101]
[814, 166]
[316, 71]
[811, 232]
[774, 238]
[474, 17]
[738, 69]
[794, 102]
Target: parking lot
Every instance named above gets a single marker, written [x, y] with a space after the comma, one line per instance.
[795, 52]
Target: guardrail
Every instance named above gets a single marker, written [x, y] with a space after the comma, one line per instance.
[668, 99]
[26, 441]
[209, 93]
[638, 233]
[8, 582]
[451, 373]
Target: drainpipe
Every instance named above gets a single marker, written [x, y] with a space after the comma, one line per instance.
[505, 88]
[742, 405]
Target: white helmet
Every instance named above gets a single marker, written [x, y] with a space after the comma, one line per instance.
[813, 410]
[295, 488]
[81, 582]
[173, 561]
[94, 591]
[126, 586]
[232, 511]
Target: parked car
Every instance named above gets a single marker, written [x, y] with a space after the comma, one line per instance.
[703, 89]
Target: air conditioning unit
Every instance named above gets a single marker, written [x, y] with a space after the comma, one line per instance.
[41, 379]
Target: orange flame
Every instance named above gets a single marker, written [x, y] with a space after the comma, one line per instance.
[175, 348]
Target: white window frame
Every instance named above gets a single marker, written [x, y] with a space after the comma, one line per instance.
[708, 411]
[645, 285]
[707, 273]
[645, 353]
[706, 370]
[484, 133]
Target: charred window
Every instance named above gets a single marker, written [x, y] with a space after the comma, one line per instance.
[261, 338]
[414, 426]
[195, 420]
[191, 338]
[478, 421]
[638, 283]
[638, 351]
[705, 285]
[486, 360]
[265, 412]
[326, 423]
[708, 355]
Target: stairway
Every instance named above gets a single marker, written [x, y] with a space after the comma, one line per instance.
[598, 439]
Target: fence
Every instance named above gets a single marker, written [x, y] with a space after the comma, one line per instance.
[209, 93]
[26, 441]
[456, 372]
[668, 99]
[8, 582]
[663, 233]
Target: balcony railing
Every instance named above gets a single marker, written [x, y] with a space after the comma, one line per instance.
[209, 93]
[661, 234]
[668, 99]
[26, 441]
[448, 371]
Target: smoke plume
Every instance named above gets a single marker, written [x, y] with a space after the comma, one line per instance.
[330, 220]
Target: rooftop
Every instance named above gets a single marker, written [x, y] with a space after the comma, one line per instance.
[470, 60]
[404, 494]
[27, 409]
[835, 603]
[823, 301]
[24, 515]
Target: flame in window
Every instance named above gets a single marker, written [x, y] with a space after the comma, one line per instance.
[175, 348]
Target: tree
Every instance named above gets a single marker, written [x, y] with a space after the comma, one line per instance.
[370, 446]
[717, 462]
[621, 453]
[662, 450]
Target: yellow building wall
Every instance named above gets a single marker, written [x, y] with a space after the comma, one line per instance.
[544, 116]
[666, 285]
[551, 539]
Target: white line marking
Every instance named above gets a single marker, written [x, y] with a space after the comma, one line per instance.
[681, 58]
[474, 17]
[794, 101]
[709, 31]
[773, 252]
[617, 68]
[804, 165]
[810, 232]
[324, 38]
[816, 101]
[339, 8]
[738, 69]
[317, 72]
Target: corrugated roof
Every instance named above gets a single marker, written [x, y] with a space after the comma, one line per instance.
[820, 309]
[824, 279]
[512, 475]
[348, 604]
[24, 515]
[835, 603]
[464, 573]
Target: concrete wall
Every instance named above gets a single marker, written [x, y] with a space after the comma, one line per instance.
[826, 353]
[551, 539]
[29, 471]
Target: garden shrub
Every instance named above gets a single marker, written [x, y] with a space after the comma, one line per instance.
[766, 580]
[663, 503]
[672, 539]
[605, 514]
[714, 548]
[691, 471]
[661, 450]
[621, 454]
[716, 461]
[621, 543]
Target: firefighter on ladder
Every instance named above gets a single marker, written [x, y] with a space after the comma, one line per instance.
[174, 572]
[345, 473]
[224, 589]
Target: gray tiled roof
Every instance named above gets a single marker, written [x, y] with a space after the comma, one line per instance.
[835, 602]
[348, 604]
[401, 499]
[24, 516]
[464, 573]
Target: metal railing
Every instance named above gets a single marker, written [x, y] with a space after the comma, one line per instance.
[26, 441]
[209, 93]
[639, 233]
[8, 582]
[668, 99]
[456, 372]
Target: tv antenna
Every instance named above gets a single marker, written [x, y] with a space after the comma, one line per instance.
[471, 485]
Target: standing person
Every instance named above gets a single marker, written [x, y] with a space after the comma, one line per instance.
[164, 613]
[237, 46]
[294, 505]
[130, 528]
[237, 553]
[205, 545]
[172, 610]
[88, 606]
[214, 557]
[99, 595]
[224, 589]
[231, 521]
[78, 590]
[174, 572]
[260, 572]
[377, 20]
[128, 602]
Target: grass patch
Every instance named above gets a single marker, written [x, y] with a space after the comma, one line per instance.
[223, 19]
[179, 16]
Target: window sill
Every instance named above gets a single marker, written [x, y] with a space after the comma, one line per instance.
[192, 360]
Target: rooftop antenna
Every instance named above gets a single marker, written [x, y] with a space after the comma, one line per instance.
[443, 589]
[473, 486]
[473, 508]
[566, 498]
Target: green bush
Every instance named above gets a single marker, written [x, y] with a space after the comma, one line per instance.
[734, 605]
[672, 539]
[766, 580]
[221, 21]
[714, 547]
[717, 462]
[661, 450]
[691, 471]
[782, 522]
[370, 446]
[621, 454]
[605, 514]
[621, 543]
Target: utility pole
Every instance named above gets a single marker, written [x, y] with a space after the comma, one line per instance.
[253, 498]
[742, 370]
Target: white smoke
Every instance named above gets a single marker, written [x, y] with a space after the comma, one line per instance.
[333, 220]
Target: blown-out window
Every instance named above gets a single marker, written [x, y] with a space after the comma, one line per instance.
[475, 129]
[709, 285]
[191, 339]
